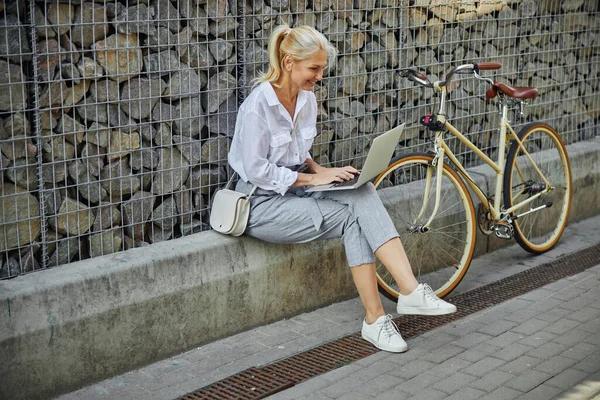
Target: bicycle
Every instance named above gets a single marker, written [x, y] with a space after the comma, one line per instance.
[435, 216]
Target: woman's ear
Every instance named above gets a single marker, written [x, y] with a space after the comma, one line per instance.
[288, 62]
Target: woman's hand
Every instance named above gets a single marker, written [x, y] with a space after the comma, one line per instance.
[324, 176]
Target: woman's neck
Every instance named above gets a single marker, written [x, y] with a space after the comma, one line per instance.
[286, 92]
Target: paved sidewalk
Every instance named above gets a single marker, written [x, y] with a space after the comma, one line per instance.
[542, 345]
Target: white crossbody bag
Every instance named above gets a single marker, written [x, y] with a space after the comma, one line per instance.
[230, 210]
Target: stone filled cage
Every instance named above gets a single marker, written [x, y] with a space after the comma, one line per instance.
[116, 116]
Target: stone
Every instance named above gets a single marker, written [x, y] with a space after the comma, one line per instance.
[89, 68]
[107, 216]
[93, 156]
[189, 117]
[90, 25]
[189, 147]
[121, 144]
[23, 173]
[223, 121]
[73, 218]
[104, 90]
[10, 268]
[98, 134]
[140, 95]
[353, 70]
[28, 259]
[221, 49]
[42, 26]
[73, 54]
[60, 15]
[18, 147]
[487, 7]
[20, 217]
[165, 215]
[572, 5]
[172, 171]
[136, 212]
[215, 150]
[87, 184]
[144, 158]
[342, 126]
[51, 54]
[105, 243]
[194, 226]
[158, 234]
[120, 55]
[380, 79]
[76, 93]
[197, 18]
[160, 40]
[185, 82]
[66, 249]
[147, 131]
[225, 28]
[184, 204]
[54, 95]
[135, 19]
[117, 179]
[166, 15]
[14, 43]
[57, 148]
[160, 64]
[164, 135]
[197, 55]
[17, 125]
[220, 87]
[451, 39]
[53, 198]
[205, 178]
[70, 73]
[13, 97]
[162, 112]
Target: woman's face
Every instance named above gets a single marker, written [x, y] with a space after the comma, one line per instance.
[306, 73]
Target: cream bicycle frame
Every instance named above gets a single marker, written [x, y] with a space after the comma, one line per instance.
[441, 150]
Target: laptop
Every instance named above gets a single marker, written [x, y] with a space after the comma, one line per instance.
[378, 159]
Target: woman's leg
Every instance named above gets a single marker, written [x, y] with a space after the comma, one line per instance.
[393, 256]
[365, 280]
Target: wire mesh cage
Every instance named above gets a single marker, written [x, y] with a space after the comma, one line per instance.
[116, 117]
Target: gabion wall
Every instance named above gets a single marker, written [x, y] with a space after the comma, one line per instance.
[116, 117]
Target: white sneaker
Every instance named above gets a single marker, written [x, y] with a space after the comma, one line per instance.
[384, 335]
[423, 301]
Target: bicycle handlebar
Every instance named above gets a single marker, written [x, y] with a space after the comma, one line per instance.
[412, 75]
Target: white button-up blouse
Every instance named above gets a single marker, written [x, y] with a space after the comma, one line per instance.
[263, 144]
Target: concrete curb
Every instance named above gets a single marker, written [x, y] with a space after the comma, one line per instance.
[67, 327]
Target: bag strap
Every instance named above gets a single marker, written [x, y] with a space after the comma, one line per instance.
[231, 181]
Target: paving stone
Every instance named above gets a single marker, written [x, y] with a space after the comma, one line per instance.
[497, 328]
[512, 352]
[505, 339]
[418, 383]
[554, 315]
[547, 304]
[555, 364]
[426, 394]
[577, 303]
[491, 381]
[467, 394]
[449, 367]
[547, 350]
[585, 315]
[380, 384]
[537, 339]
[575, 337]
[471, 339]
[443, 353]
[480, 368]
[523, 315]
[538, 294]
[304, 389]
[530, 327]
[561, 327]
[589, 364]
[591, 326]
[528, 380]
[542, 392]
[567, 378]
[503, 393]
[454, 382]
[460, 329]
[580, 351]
[568, 293]
[520, 365]
[413, 369]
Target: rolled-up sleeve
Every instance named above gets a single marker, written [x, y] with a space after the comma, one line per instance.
[255, 140]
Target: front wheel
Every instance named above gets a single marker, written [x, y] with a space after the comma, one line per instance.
[538, 231]
[441, 253]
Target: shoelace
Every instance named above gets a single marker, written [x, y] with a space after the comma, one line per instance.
[428, 292]
[389, 327]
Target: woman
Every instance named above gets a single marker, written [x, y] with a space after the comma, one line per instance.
[274, 131]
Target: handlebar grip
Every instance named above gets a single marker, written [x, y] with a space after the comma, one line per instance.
[488, 65]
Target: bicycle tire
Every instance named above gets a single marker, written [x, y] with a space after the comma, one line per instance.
[442, 255]
[539, 231]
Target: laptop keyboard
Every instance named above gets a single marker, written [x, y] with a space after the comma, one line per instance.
[346, 183]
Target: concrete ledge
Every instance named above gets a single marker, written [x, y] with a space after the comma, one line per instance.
[67, 327]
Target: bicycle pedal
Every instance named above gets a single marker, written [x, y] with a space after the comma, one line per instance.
[503, 230]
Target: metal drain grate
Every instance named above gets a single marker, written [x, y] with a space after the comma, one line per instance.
[258, 383]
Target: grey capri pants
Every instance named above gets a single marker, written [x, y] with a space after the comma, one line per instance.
[356, 216]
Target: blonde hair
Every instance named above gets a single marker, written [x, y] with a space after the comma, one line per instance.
[300, 43]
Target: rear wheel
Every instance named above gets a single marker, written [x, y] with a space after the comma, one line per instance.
[538, 231]
[439, 256]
